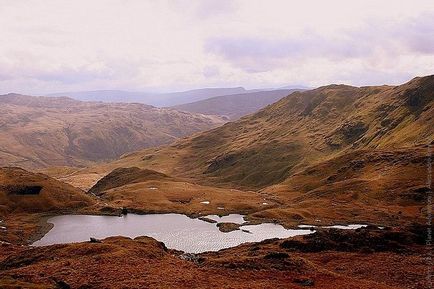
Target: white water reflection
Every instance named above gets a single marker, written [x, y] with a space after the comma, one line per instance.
[231, 218]
[341, 227]
[176, 231]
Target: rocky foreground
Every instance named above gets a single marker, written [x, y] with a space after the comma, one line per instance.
[364, 258]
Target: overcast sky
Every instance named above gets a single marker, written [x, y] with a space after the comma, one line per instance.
[56, 46]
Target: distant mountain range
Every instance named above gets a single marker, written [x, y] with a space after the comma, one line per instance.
[297, 87]
[235, 106]
[299, 130]
[159, 99]
[37, 132]
[40, 131]
[154, 99]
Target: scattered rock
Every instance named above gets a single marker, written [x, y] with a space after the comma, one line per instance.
[110, 210]
[304, 282]
[220, 162]
[22, 190]
[353, 130]
[94, 240]
[228, 227]
[357, 164]
[192, 258]
[205, 219]
[62, 284]
[377, 240]
[276, 256]
[124, 211]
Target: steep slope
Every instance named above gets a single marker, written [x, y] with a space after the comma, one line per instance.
[236, 105]
[367, 186]
[25, 192]
[44, 131]
[302, 129]
[373, 186]
[27, 198]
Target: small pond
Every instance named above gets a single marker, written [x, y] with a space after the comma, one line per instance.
[176, 231]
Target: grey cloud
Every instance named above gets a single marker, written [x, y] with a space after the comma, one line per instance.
[4, 77]
[211, 71]
[256, 55]
[107, 69]
[421, 33]
[70, 76]
[211, 8]
[415, 35]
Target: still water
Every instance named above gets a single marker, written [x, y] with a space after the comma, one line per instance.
[176, 231]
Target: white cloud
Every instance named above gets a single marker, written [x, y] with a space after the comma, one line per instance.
[137, 45]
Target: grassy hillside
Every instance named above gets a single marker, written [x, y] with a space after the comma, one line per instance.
[236, 105]
[362, 259]
[302, 129]
[25, 192]
[26, 199]
[336, 154]
[364, 186]
[45, 131]
[370, 186]
[147, 191]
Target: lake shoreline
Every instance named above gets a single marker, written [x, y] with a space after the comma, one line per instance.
[177, 231]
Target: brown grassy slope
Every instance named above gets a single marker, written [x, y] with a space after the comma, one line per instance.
[302, 129]
[25, 198]
[147, 191]
[25, 192]
[367, 186]
[44, 131]
[384, 187]
[123, 176]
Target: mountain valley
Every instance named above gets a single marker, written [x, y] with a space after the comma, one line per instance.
[335, 155]
[41, 132]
